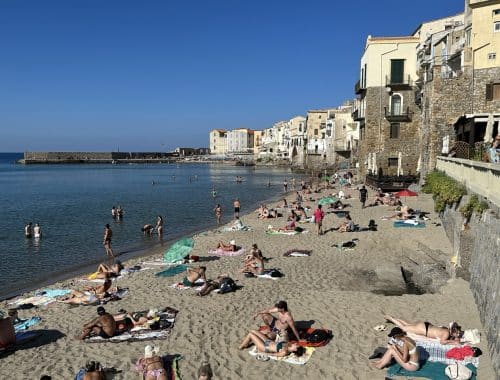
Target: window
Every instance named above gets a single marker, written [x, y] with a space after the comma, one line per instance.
[394, 131]
[396, 104]
[492, 56]
[319, 116]
[496, 26]
[315, 132]
[493, 91]
[393, 162]
[496, 12]
[397, 70]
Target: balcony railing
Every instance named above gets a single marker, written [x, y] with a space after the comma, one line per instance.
[398, 116]
[358, 89]
[406, 83]
[356, 116]
[341, 146]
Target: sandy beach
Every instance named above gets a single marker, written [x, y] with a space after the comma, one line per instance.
[341, 290]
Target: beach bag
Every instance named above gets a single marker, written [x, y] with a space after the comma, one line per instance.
[471, 336]
[458, 372]
[227, 285]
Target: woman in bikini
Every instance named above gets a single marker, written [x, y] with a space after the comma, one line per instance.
[402, 349]
[446, 335]
[267, 346]
[151, 365]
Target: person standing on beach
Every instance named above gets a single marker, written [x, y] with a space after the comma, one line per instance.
[108, 234]
[159, 225]
[285, 186]
[363, 193]
[236, 205]
[28, 230]
[319, 214]
[293, 183]
[218, 213]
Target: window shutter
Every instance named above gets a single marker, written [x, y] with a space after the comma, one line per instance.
[489, 91]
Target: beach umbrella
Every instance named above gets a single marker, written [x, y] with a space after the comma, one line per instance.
[419, 163]
[327, 201]
[400, 164]
[406, 193]
[488, 135]
[179, 250]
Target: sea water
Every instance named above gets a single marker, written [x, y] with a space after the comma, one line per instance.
[72, 203]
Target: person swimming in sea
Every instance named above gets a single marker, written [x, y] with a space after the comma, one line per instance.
[214, 193]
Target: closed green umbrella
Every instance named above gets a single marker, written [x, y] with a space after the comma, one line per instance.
[326, 178]
[327, 201]
[179, 250]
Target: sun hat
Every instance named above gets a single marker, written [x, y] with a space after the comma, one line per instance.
[150, 351]
[232, 242]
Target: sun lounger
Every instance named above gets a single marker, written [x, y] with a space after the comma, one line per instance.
[291, 359]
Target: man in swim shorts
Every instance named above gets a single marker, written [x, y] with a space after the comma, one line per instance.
[103, 325]
[108, 234]
[193, 275]
[278, 326]
[28, 230]
[236, 205]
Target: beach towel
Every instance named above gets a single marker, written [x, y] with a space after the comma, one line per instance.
[35, 301]
[169, 364]
[172, 271]
[52, 293]
[408, 223]
[158, 263]
[140, 333]
[24, 325]
[236, 228]
[311, 337]
[289, 233]
[197, 285]
[221, 252]
[179, 250]
[115, 296]
[429, 370]
[267, 274]
[433, 351]
[21, 338]
[298, 253]
[291, 359]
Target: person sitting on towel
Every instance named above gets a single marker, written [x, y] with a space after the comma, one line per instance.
[347, 226]
[278, 326]
[211, 285]
[402, 349]
[253, 263]
[113, 270]
[231, 247]
[268, 346]
[193, 275]
[103, 325]
[151, 365]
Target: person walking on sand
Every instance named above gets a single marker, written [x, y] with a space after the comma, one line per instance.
[218, 213]
[363, 193]
[28, 232]
[159, 225]
[319, 214]
[108, 234]
[236, 205]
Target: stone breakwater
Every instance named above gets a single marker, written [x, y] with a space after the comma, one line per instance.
[96, 157]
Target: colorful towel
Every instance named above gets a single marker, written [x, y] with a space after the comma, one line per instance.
[221, 252]
[53, 293]
[267, 274]
[429, 370]
[288, 233]
[408, 223]
[35, 300]
[172, 271]
[436, 352]
[292, 359]
[24, 325]
[180, 286]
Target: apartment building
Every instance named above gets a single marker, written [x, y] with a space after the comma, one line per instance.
[240, 141]
[218, 141]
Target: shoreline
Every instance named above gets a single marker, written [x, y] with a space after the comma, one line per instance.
[126, 255]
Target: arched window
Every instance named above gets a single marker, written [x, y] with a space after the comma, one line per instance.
[396, 104]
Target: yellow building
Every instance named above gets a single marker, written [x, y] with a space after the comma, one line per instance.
[218, 142]
[257, 142]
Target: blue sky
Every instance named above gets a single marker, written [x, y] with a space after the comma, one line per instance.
[153, 75]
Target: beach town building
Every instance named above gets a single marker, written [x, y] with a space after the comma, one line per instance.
[282, 136]
[385, 106]
[342, 135]
[185, 152]
[240, 141]
[297, 130]
[316, 132]
[257, 142]
[218, 141]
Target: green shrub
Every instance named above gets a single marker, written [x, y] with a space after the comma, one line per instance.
[473, 205]
[445, 190]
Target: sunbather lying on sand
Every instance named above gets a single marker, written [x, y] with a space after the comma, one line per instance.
[151, 365]
[266, 345]
[446, 335]
[111, 270]
[211, 285]
[193, 275]
[103, 325]
[231, 247]
[403, 213]
[90, 294]
[127, 321]
[347, 226]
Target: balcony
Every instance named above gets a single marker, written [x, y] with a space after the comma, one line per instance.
[356, 116]
[341, 146]
[398, 117]
[405, 84]
[358, 89]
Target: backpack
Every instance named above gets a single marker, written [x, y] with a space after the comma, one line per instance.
[458, 372]
[275, 273]
[227, 285]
